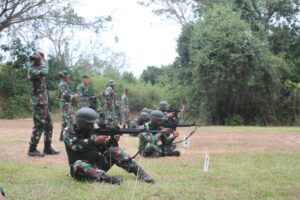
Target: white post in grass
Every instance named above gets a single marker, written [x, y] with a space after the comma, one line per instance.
[206, 162]
[186, 143]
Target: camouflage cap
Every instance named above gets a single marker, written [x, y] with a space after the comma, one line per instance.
[64, 73]
[111, 83]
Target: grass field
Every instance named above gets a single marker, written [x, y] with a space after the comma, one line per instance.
[245, 163]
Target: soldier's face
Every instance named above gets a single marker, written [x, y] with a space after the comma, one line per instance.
[86, 81]
[158, 122]
[37, 58]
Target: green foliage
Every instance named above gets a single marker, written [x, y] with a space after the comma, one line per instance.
[235, 74]
[17, 106]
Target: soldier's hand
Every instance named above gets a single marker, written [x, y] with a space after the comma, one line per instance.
[170, 114]
[75, 96]
[101, 139]
[176, 134]
[164, 130]
[117, 137]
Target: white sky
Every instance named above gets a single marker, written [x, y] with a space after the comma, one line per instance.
[144, 37]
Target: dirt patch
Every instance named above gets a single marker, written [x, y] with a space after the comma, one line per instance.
[15, 135]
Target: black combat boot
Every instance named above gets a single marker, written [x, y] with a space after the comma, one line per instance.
[48, 150]
[111, 179]
[34, 152]
[143, 176]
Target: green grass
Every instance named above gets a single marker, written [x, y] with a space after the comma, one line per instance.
[255, 175]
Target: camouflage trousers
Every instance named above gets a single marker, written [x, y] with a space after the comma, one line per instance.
[126, 118]
[67, 115]
[155, 150]
[111, 117]
[97, 164]
[151, 149]
[83, 104]
[42, 124]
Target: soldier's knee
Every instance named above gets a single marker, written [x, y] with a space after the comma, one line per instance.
[82, 170]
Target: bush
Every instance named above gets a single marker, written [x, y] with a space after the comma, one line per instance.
[17, 106]
[235, 120]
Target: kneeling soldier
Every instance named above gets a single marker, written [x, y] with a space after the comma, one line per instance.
[90, 156]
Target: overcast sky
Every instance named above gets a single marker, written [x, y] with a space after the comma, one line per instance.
[145, 38]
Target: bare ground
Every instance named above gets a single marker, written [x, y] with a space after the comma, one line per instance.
[15, 135]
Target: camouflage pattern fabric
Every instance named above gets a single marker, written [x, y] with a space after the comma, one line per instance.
[84, 96]
[148, 142]
[125, 110]
[65, 95]
[134, 124]
[42, 124]
[39, 99]
[37, 76]
[83, 170]
[167, 144]
[110, 108]
[81, 145]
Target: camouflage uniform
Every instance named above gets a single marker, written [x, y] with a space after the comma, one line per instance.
[89, 160]
[110, 108]
[134, 124]
[125, 110]
[148, 142]
[84, 96]
[39, 99]
[65, 97]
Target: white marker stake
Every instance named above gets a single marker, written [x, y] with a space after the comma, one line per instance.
[206, 162]
[186, 143]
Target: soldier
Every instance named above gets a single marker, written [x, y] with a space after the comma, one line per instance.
[125, 109]
[37, 73]
[109, 104]
[139, 121]
[148, 142]
[84, 92]
[65, 101]
[168, 145]
[90, 156]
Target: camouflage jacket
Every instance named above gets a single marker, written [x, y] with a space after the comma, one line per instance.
[79, 143]
[125, 103]
[64, 92]
[84, 96]
[37, 76]
[109, 98]
[148, 136]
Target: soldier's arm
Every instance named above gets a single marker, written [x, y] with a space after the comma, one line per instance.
[64, 90]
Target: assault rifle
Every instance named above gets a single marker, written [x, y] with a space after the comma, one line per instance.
[111, 130]
[174, 123]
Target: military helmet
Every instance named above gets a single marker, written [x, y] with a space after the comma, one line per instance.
[111, 83]
[147, 110]
[156, 115]
[85, 116]
[63, 73]
[163, 106]
[143, 116]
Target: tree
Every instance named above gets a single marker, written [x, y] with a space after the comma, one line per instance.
[180, 11]
[235, 75]
[151, 74]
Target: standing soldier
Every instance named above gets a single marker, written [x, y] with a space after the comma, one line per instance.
[125, 109]
[37, 73]
[65, 101]
[84, 93]
[109, 104]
